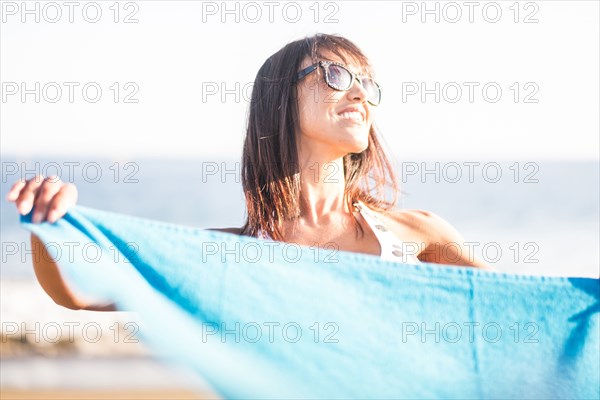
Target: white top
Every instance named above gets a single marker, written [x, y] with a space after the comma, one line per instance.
[391, 246]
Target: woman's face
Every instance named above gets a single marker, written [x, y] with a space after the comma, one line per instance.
[332, 123]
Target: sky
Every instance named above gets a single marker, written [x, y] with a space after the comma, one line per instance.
[512, 80]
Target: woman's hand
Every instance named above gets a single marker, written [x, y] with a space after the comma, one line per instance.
[49, 197]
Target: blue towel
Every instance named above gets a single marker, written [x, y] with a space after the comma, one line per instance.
[265, 319]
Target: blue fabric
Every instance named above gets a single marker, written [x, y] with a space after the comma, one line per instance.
[349, 325]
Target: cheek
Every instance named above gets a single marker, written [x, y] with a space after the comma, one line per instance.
[328, 98]
[309, 117]
[315, 113]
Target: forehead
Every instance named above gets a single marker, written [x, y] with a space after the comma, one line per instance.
[351, 62]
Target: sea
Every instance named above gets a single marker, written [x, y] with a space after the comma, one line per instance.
[522, 216]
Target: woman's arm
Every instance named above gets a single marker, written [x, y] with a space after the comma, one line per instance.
[50, 278]
[438, 241]
[446, 245]
[49, 199]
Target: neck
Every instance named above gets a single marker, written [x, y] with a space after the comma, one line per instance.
[322, 190]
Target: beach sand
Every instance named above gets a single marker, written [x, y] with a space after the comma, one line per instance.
[68, 378]
[15, 394]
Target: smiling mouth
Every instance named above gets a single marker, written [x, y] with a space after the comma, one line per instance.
[352, 116]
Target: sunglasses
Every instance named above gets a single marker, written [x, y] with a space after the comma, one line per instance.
[338, 77]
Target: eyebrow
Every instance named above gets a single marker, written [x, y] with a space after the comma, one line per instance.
[363, 71]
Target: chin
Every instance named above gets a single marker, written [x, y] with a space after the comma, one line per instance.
[358, 146]
[362, 148]
[362, 142]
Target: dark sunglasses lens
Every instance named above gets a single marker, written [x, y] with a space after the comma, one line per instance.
[372, 89]
[339, 77]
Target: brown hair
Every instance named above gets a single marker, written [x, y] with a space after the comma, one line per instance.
[270, 171]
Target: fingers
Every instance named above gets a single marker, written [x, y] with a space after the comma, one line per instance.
[65, 198]
[15, 190]
[45, 194]
[27, 194]
[49, 198]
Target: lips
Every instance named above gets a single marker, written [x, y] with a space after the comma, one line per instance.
[354, 109]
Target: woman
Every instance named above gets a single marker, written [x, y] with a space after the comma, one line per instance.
[310, 155]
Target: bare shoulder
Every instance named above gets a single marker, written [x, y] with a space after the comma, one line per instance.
[420, 222]
[236, 231]
[441, 242]
[429, 226]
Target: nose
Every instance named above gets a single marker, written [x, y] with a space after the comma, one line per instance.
[357, 91]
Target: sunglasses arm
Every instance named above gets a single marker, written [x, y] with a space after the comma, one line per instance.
[305, 72]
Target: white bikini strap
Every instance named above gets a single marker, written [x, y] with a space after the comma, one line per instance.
[391, 245]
